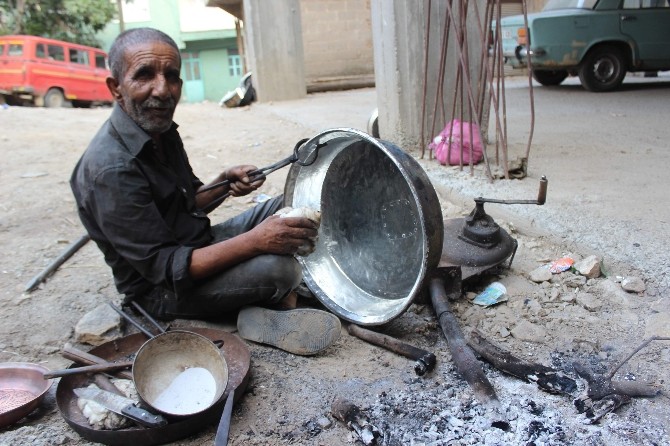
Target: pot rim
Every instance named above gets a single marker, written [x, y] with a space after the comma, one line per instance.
[221, 386]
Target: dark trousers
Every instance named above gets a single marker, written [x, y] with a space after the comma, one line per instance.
[262, 280]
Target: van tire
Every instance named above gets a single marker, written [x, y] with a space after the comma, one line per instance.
[54, 98]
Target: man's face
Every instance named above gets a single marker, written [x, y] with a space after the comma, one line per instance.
[150, 88]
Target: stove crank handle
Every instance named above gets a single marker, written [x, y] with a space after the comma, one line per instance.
[541, 196]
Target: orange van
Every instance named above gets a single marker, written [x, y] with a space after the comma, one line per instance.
[48, 72]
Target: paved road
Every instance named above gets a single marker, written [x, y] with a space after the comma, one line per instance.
[606, 156]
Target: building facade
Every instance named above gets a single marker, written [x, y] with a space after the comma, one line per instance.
[206, 36]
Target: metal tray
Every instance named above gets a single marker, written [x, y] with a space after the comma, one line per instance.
[237, 357]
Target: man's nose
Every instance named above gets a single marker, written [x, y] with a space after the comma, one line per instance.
[160, 87]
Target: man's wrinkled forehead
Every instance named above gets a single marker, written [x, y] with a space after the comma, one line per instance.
[149, 53]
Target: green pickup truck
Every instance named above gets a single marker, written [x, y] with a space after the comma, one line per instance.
[597, 40]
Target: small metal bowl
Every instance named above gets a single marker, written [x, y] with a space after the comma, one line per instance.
[22, 389]
[161, 372]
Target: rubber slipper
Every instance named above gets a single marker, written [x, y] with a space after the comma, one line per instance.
[304, 331]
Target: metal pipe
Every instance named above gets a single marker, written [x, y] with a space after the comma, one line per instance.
[425, 360]
[464, 359]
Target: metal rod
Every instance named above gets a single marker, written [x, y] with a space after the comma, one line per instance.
[85, 358]
[541, 196]
[425, 82]
[57, 262]
[425, 360]
[95, 368]
[132, 321]
[144, 313]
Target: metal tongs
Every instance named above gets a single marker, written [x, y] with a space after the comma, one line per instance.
[258, 174]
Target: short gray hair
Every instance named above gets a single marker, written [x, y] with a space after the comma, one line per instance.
[130, 38]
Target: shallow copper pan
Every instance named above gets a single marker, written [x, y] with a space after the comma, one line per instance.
[22, 389]
[237, 358]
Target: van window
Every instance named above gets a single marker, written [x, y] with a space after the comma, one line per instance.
[100, 61]
[56, 52]
[2, 49]
[79, 57]
[15, 49]
[41, 51]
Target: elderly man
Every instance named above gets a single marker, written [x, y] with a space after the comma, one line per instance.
[137, 197]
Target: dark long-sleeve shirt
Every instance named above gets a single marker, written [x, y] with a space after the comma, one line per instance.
[139, 210]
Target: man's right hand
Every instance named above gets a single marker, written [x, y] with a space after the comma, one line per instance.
[275, 235]
[286, 235]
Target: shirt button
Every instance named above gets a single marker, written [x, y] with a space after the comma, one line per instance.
[183, 190]
[195, 214]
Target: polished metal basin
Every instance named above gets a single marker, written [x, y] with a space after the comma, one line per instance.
[381, 224]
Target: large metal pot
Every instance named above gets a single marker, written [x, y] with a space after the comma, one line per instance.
[381, 224]
[180, 373]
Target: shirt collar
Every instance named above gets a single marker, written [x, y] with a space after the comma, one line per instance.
[132, 135]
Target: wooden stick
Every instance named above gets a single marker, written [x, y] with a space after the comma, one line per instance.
[643, 345]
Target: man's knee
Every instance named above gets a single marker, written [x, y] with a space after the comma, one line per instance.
[283, 272]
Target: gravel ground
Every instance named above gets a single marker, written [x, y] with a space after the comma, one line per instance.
[610, 203]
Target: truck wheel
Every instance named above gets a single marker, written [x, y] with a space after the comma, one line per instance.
[603, 69]
[550, 77]
[54, 98]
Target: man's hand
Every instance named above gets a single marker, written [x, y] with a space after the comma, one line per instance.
[240, 183]
[275, 235]
[286, 235]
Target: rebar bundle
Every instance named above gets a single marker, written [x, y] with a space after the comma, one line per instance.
[478, 95]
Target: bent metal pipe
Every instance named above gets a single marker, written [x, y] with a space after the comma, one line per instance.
[425, 360]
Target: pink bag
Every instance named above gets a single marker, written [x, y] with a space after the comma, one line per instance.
[448, 145]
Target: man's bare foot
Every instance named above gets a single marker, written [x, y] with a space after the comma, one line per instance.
[290, 302]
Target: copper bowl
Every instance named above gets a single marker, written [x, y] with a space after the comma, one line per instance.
[22, 389]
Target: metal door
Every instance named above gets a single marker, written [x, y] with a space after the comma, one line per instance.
[648, 25]
[194, 88]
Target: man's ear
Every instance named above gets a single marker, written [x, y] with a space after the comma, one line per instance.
[113, 86]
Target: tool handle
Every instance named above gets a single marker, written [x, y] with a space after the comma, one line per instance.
[88, 369]
[143, 417]
[85, 358]
[221, 438]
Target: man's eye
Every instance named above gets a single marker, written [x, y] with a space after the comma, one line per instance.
[172, 77]
[143, 74]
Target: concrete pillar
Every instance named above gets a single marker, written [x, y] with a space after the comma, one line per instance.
[273, 34]
[400, 31]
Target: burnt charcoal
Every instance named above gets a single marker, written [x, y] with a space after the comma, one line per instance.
[502, 425]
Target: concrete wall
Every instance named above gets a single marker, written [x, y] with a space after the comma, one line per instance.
[403, 69]
[274, 48]
[337, 42]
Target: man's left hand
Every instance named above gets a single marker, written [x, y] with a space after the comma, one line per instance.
[240, 182]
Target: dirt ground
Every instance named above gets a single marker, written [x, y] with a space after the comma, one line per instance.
[288, 400]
